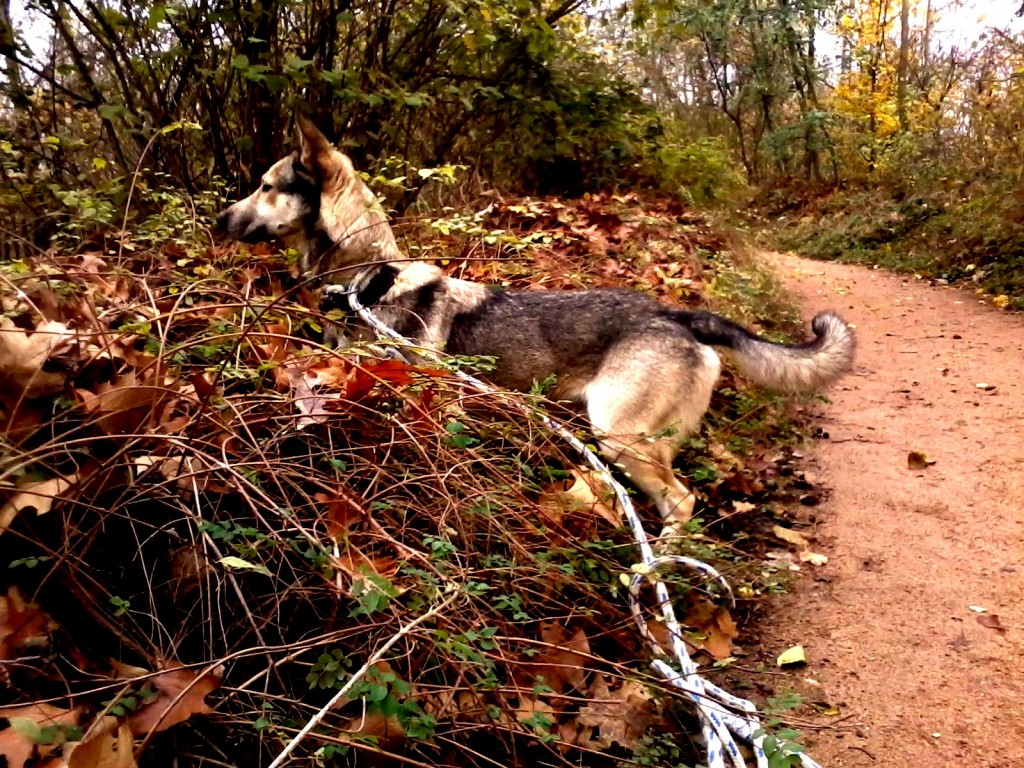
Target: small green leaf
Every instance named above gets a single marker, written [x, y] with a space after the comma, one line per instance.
[27, 728]
[111, 112]
[156, 15]
[238, 564]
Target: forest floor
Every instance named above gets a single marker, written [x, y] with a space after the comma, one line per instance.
[914, 630]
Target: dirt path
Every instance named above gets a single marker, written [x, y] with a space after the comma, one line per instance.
[891, 636]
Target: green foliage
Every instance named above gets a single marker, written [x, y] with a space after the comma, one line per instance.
[440, 549]
[47, 735]
[28, 562]
[519, 93]
[511, 604]
[458, 436]
[129, 703]
[120, 605]
[972, 238]
[372, 594]
[329, 670]
[781, 749]
[660, 752]
[698, 172]
[86, 210]
[785, 702]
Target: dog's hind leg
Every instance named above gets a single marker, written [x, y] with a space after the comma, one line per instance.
[649, 466]
[642, 405]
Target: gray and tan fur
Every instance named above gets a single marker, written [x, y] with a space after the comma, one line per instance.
[314, 202]
[642, 370]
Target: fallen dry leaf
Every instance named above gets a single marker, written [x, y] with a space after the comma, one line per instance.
[529, 706]
[18, 741]
[714, 621]
[917, 461]
[386, 731]
[112, 748]
[34, 495]
[184, 470]
[803, 546]
[792, 657]
[790, 536]
[22, 624]
[275, 345]
[165, 709]
[618, 717]
[345, 510]
[311, 393]
[22, 356]
[742, 507]
[563, 665]
[814, 558]
[581, 496]
[825, 708]
[991, 621]
[126, 404]
[357, 565]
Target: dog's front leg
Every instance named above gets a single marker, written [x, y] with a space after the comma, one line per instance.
[338, 334]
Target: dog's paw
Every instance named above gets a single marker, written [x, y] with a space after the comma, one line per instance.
[336, 336]
[334, 297]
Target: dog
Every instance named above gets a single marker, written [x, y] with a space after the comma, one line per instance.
[643, 371]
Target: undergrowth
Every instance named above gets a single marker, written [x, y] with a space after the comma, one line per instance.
[948, 231]
[211, 521]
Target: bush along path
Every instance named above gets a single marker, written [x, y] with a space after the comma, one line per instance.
[215, 534]
[914, 629]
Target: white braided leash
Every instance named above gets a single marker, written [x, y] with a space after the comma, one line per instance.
[721, 714]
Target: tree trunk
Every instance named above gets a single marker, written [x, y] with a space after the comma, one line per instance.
[8, 48]
[903, 67]
[926, 42]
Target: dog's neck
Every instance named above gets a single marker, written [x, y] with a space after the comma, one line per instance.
[314, 249]
[351, 231]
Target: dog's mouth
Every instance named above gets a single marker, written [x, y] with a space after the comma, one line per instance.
[244, 229]
[257, 234]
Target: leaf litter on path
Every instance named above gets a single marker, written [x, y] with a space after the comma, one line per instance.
[801, 544]
[918, 461]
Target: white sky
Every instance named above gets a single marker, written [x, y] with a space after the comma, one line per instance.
[962, 25]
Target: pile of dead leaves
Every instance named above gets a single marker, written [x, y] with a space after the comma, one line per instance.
[602, 240]
[208, 521]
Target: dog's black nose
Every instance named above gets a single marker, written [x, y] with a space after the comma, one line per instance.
[222, 221]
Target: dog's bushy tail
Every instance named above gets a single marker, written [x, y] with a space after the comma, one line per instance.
[788, 368]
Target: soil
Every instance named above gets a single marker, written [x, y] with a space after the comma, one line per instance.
[914, 629]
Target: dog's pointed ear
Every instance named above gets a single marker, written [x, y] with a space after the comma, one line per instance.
[314, 148]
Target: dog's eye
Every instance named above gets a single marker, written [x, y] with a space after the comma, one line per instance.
[266, 188]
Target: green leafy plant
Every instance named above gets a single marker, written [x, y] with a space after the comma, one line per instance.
[372, 593]
[329, 670]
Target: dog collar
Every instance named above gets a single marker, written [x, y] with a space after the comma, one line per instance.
[370, 294]
[378, 286]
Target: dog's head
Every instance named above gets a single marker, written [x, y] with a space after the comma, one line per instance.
[287, 204]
